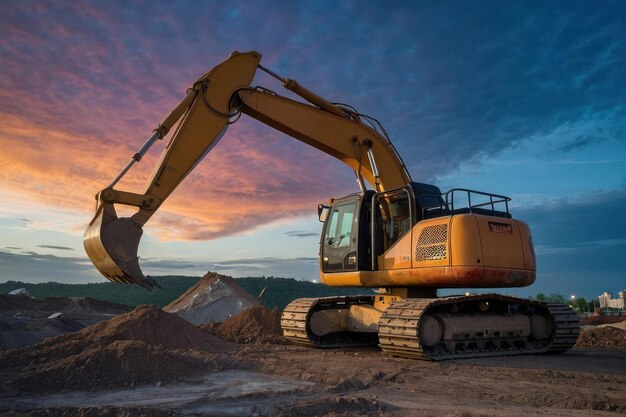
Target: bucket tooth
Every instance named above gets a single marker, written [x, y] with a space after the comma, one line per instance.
[112, 244]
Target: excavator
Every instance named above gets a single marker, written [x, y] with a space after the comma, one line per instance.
[400, 238]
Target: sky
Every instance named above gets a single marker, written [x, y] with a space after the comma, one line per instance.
[525, 99]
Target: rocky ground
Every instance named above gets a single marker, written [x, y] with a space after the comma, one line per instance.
[148, 362]
[25, 321]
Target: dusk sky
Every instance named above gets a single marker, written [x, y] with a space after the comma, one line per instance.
[525, 99]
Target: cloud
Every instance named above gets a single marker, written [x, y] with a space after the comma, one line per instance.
[596, 217]
[244, 264]
[594, 162]
[55, 247]
[35, 267]
[580, 243]
[299, 233]
[228, 197]
[579, 247]
[577, 143]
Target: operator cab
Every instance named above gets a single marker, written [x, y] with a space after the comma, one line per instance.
[348, 227]
[349, 222]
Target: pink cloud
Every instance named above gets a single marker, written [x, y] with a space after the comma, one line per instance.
[254, 176]
[84, 86]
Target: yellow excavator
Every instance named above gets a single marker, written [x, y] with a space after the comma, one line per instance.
[402, 238]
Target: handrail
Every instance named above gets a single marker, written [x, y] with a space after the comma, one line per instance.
[502, 199]
[448, 201]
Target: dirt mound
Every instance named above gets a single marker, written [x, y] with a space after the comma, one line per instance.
[602, 319]
[133, 348]
[258, 325]
[150, 325]
[602, 337]
[214, 298]
[146, 324]
[123, 363]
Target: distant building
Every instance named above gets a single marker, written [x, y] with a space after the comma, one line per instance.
[607, 300]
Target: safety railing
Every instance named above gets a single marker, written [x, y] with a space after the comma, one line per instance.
[459, 200]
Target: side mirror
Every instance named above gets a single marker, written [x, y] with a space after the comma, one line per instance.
[322, 212]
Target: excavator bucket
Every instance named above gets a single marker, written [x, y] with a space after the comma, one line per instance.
[112, 244]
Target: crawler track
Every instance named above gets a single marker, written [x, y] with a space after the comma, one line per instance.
[294, 321]
[400, 325]
[567, 328]
[399, 328]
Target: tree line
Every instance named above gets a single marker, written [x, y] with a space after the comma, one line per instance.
[276, 292]
[577, 303]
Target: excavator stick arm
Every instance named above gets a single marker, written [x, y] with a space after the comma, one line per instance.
[203, 115]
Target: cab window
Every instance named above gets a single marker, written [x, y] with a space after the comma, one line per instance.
[340, 238]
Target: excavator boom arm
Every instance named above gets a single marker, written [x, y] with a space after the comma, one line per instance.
[203, 116]
[344, 138]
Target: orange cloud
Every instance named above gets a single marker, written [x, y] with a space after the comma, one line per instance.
[77, 100]
[253, 177]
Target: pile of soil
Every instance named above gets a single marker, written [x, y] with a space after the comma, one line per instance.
[601, 319]
[143, 346]
[257, 325]
[602, 337]
[214, 298]
[147, 324]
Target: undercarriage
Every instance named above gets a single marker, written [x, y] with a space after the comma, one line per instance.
[433, 328]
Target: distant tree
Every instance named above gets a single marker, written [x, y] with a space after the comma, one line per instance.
[580, 304]
[552, 298]
[555, 298]
[591, 305]
[279, 292]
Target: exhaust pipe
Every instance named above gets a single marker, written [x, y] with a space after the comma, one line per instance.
[112, 244]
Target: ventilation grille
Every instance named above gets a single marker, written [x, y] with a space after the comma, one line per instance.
[432, 243]
[430, 253]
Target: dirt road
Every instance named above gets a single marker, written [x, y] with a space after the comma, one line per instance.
[582, 382]
[293, 381]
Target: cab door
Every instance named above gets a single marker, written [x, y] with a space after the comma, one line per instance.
[339, 240]
[346, 239]
[392, 221]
